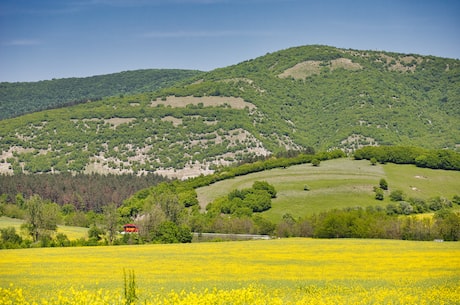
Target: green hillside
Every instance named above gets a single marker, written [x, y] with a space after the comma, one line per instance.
[24, 97]
[337, 184]
[303, 98]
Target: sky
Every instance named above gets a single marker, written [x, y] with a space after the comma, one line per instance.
[46, 39]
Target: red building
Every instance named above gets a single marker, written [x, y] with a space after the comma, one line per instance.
[130, 228]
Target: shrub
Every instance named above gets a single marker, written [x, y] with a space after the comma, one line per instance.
[379, 193]
[397, 195]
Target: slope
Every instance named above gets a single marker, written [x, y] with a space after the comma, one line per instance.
[19, 98]
[296, 99]
[337, 184]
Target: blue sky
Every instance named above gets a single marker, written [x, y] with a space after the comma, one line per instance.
[75, 38]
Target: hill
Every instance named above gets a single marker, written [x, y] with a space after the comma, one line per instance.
[303, 98]
[24, 97]
[337, 184]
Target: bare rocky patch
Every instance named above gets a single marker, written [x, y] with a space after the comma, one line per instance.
[345, 63]
[302, 70]
[175, 121]
[115, 122]
[205, 101]
[308, 68]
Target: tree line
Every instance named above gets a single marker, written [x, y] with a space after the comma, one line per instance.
[168, 212]
[429, 158]
[84, 192]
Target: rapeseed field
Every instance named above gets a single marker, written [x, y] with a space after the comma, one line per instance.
[284, 271]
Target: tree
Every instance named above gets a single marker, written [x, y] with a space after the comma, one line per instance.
[42, 217]
[265, 186]
[379, 193]
[315, 162]
[9, 238]
[168, 232]
[447, 225]
[383, 184]
[397, 195]
[111, 221]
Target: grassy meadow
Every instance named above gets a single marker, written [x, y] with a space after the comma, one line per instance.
[71, 232]
[282, 271]
[338, 183]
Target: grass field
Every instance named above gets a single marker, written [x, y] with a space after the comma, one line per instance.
[338, 184]
[71, 232]
[283, 271]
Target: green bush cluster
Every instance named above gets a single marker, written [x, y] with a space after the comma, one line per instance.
[245, 201]
[434, 158]
[373, 222]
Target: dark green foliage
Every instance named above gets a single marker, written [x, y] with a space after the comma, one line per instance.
[447, 225]
[41, 218]
[244, 202]
[335, 107]
[20, 98]
[77, 192]
[383, 184]
[168, 233]
[9, 238]
[379, 195]
[265, 186]
[397, 195]
[435, 158]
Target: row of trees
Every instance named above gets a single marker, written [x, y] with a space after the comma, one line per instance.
[164, 218]
[83, 192]
[373, 222]
[436, 158]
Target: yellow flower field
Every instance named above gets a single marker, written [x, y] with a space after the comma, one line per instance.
[284, 271]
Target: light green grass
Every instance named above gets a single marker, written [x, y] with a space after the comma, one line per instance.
[71, 232]
[338, 183]
[423, 182]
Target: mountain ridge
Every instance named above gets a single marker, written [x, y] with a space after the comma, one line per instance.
[299, 98]
[18, 98]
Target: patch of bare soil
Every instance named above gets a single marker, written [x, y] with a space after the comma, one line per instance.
[308, 68]
[118, 121]
[302, 70]
[175, 121]
[345, 63]
[206, 101]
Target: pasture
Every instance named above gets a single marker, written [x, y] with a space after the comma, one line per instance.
[338, 183]
[71, 232]
[283, 271]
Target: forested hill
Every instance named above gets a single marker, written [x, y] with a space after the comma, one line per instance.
[25, 97]
[302, 98]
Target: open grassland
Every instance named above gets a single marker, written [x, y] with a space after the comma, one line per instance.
[71, 232]
[284, 271]
[338, 183]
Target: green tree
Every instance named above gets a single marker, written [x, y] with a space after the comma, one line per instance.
[42, 218]
[111, 218]
[9, 238]
[397, 195]
[383, 184]
[447, 225]
[315, 162]
[379, 193]
[265, 186]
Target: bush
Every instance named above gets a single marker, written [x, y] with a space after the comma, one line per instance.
[383, 184]
[379, 193]
[397, 195]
